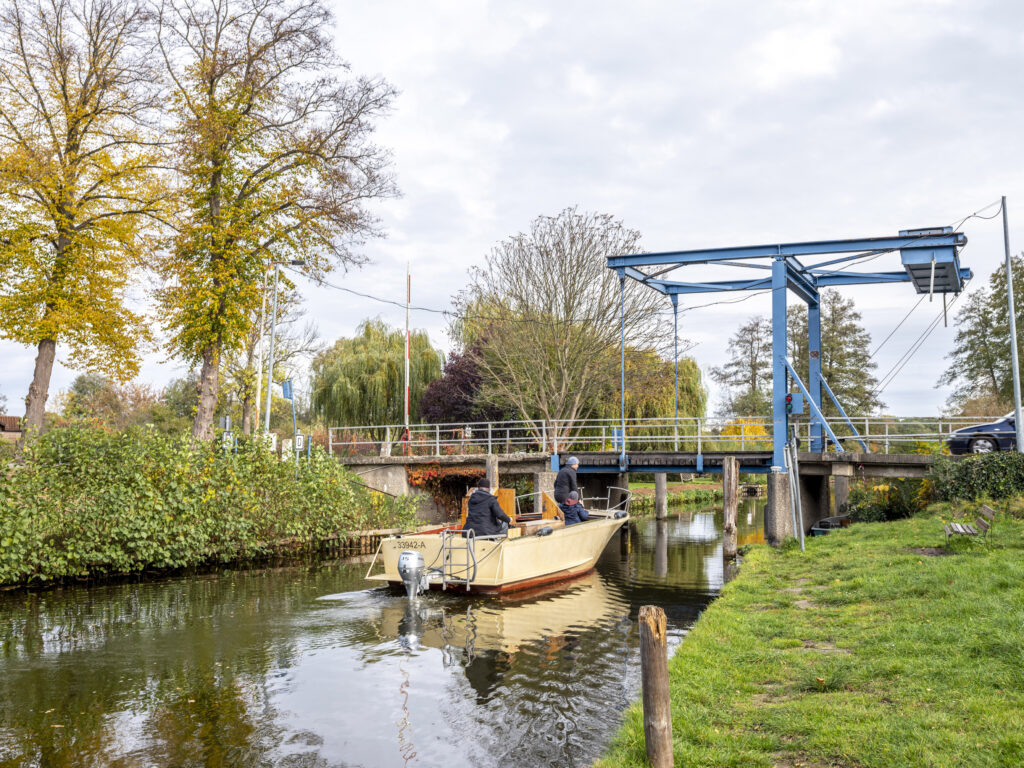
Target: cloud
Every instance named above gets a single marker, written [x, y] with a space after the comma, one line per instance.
[700, 124]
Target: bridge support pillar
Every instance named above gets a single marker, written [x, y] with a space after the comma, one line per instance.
[778, 515]
[660, 495]
[730, 503]
[841, 492]
[491, 467]
[542, 481]
[815, 499]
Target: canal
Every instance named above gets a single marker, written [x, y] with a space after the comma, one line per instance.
[305, 666]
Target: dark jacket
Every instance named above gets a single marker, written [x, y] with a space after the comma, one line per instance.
[565, 483]
[574, 513]
[484, 515]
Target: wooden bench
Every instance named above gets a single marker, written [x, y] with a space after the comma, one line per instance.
[983, 523]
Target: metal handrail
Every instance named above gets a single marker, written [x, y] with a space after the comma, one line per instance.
[649, 433]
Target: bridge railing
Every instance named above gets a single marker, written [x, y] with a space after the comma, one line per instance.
[882, 434]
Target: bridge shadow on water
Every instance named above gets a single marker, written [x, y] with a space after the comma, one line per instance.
[305, 666]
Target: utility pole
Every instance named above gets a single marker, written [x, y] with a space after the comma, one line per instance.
[408, 301]
[1013, 334]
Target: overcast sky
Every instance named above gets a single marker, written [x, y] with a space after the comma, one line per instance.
[701, 124]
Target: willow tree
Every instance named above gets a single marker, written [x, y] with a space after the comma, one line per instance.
[361, 381]
[78, 190]
[545, 310]
[272, 146]
[651, 388]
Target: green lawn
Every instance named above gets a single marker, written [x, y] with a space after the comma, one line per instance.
[861, 652]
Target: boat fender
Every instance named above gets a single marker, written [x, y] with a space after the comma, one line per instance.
[545, 531]
[619, 515]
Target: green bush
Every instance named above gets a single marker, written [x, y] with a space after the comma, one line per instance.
[892, 500]
[993, 475]
[91, 502]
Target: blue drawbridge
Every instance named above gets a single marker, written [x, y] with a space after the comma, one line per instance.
[929, 259]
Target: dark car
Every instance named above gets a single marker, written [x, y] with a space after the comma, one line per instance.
[984, 438]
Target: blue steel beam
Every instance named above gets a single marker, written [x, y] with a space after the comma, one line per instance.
[780, 420]
[814, 379]
[860, 278]
[870, 244]
[802, 285]
[672, 287]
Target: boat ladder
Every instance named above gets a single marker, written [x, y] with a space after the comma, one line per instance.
[458, 557]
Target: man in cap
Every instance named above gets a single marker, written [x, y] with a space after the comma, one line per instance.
[483, 513]
[565, 481]
[572, 511]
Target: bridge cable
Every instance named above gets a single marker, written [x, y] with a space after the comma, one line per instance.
[900, 364]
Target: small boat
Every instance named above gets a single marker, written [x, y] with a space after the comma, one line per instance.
[538, 549]
[828, 524]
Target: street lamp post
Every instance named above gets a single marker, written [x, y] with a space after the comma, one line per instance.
[1013, 334]
[273, 326]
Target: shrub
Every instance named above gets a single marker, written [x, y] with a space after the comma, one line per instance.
[92, 502]
[893, 500]
[993, 475]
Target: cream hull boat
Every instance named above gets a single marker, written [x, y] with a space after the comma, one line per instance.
[499, 565]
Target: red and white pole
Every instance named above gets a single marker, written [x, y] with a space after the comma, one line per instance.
[408, 340]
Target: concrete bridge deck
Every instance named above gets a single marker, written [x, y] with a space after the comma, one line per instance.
[599, 471]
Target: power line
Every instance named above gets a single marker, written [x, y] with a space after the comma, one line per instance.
[900, 323]
[900, 364]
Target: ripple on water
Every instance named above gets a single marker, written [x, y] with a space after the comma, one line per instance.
[306, 666]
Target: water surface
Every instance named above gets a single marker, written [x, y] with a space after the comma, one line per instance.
[306, 666]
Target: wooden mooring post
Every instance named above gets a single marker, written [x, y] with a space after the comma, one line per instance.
[730, 503]
[654, 676]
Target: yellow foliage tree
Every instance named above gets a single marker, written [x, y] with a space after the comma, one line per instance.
[272, 150]
[78, 187]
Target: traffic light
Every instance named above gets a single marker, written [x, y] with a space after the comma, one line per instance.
[789, 403]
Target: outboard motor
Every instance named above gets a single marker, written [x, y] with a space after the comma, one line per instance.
[413, 572]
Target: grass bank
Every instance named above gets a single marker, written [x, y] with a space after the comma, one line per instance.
[872, 649]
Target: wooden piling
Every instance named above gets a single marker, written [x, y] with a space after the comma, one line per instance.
[654, 677]
[660, 495]
[730, 498]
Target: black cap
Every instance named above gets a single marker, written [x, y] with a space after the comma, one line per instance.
[484, 483]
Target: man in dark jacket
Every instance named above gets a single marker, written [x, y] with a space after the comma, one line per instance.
[483, 513]
[572, 511]
[565, 480]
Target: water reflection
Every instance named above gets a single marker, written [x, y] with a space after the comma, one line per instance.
[253, 668]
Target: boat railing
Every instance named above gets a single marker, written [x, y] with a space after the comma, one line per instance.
[624, 500]
[468, 564]
[537, 503]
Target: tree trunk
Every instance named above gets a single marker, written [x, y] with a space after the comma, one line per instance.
[247, 408]
[202, 427]
[38, 391]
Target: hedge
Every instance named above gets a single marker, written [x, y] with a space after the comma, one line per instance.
[993, 475]
[90, 502]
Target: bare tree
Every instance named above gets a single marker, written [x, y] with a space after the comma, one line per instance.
[78, 182]
[274, 155]
[545, 311]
